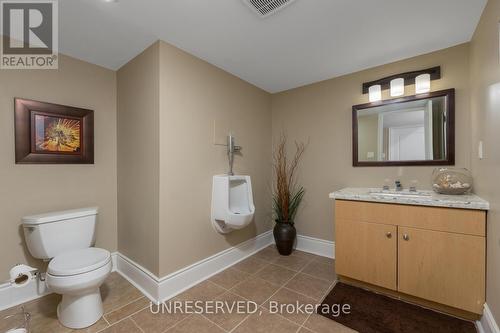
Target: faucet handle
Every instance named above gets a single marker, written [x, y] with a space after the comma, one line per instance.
[413, 186]
[387, 184]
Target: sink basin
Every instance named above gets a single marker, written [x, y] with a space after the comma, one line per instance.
[403, 194]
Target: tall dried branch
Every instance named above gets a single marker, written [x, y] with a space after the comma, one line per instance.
[287, 196]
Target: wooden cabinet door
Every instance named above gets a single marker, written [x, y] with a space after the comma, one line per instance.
[443, 267]
[366, 252]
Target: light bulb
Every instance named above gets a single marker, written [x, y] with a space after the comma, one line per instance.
[397, 87]
[423, 84]
[375, 93]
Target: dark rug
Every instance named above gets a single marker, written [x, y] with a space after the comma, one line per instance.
[375, 313]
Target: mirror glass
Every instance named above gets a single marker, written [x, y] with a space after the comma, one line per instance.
[409, 131]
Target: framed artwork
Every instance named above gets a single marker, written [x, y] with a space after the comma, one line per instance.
[53, 134]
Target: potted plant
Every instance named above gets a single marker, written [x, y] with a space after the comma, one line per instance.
[287, 196]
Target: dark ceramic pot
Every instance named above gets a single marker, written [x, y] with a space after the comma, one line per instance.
[284, 236]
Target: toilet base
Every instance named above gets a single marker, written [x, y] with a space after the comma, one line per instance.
[80, 311]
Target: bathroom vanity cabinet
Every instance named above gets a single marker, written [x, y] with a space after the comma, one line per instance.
[435, 256]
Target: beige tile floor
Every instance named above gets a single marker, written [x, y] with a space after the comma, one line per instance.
[262, 278]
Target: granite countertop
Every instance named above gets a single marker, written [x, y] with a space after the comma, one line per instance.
[422, 198]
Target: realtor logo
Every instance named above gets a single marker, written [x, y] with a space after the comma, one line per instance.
[29, 34]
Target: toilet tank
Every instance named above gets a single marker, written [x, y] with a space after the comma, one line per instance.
[50, 234]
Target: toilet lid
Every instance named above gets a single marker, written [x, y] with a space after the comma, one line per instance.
[78, 261]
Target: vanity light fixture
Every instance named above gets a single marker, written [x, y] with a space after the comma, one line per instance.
[396, 83]
[397, 87]
[423, 83]
[375, 93]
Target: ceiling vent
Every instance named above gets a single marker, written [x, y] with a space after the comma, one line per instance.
[267, 7]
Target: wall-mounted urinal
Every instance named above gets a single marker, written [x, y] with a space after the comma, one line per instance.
[232, 203]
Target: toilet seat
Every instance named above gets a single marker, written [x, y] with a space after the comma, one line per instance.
[78, 262]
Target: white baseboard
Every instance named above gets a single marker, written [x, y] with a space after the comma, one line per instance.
[161, 289]
[316, 246]
[177, 282]
[487, 324]
[114, 258]
[138, 276]
[11, 296]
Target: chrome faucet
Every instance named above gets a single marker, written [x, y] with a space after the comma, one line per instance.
[399, 186]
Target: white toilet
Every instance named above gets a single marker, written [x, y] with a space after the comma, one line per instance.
[232, 203]
[76, 270]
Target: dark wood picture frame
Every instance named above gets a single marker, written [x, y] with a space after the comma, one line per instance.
[25, 111]
[450, 130]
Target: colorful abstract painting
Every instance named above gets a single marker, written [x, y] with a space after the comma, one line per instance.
[57, 134]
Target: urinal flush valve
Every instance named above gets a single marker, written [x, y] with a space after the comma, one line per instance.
[231, 149]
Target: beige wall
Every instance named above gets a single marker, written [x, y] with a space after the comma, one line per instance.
[321, 113]
[31, 189]
[200, 103]
[173, 108]
[485, 102]
[138, 158]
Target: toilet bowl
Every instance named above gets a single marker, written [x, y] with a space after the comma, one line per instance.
[232, 203]
[77, 276]
[76, 269]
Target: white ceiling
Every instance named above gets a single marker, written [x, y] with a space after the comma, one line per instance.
[308, 41]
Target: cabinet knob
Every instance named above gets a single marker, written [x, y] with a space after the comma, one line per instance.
[388, 234]
[406, 237]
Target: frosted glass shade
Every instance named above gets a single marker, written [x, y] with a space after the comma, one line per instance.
[397, 87]
[375, 93]
[423, 83]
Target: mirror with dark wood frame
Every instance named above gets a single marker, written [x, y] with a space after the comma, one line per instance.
[413, 130]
